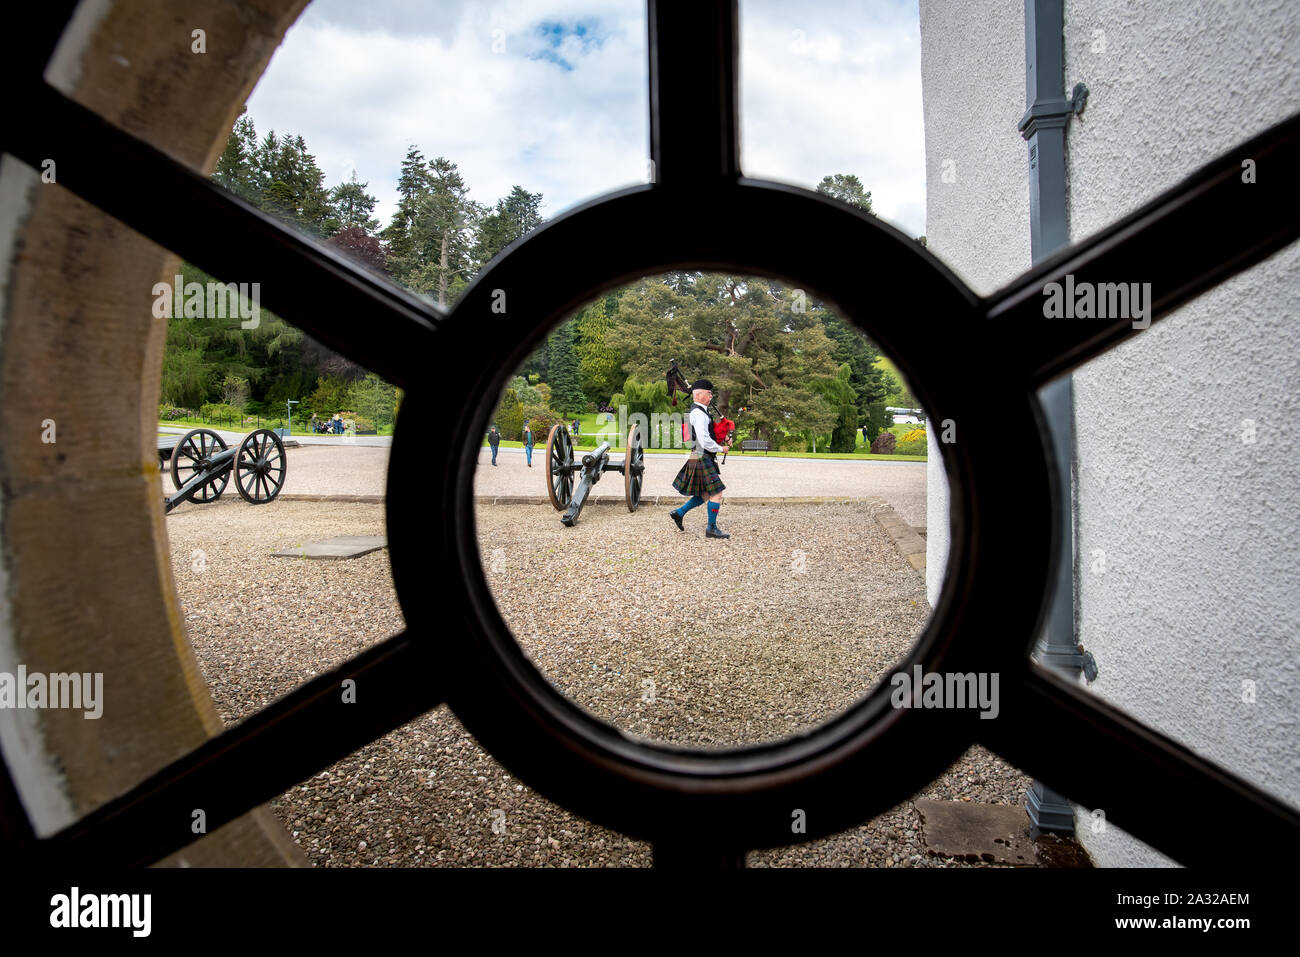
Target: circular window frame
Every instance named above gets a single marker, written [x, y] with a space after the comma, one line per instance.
[652, 790]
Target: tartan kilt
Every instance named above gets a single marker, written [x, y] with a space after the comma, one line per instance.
[699, 476]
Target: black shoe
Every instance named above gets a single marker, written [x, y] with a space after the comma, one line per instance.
[714, 532]
[678, 519]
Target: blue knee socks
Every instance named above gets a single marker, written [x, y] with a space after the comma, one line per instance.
[713, 514]
[693, 502]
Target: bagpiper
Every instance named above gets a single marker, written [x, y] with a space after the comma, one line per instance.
[699, 477]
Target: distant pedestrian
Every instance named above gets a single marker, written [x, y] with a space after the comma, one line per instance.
[528, 444]
[865, 441]
[494, 439]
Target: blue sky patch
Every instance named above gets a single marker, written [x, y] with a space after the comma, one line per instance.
[554, 33]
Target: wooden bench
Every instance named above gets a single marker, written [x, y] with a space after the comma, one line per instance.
[755, 445]
[165, 446]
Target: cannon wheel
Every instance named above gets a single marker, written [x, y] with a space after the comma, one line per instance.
[559, 466]
[260, 467]
[191, 456]
[633, 469]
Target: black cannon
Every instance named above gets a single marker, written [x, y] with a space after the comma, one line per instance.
[201, 464]
[562, 469]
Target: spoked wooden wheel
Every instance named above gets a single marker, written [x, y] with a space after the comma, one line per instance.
[191, 456]
[633, 469]
[559, 465]
[260, 467]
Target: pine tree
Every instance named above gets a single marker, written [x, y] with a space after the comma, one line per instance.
[565, 374]
[353, 205]
[847, 188]
[448, 215]
[599, 365]
[412, 187]
[237, 167]
[515, 216]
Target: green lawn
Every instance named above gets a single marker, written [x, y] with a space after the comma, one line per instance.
[591, 424]
[251, 423]
[540, 450]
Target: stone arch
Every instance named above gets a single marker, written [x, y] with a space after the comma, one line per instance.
[85, 576]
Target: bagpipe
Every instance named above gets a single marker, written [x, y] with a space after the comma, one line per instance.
[723, 427]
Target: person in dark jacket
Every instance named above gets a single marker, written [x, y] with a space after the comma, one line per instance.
[528, 444]
[494, 439]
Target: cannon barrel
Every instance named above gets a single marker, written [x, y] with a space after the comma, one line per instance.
[593, 467]
[594, 457]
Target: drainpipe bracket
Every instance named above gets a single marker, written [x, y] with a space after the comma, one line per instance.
[1045, 115]
[1053, 113]
[1078, 98]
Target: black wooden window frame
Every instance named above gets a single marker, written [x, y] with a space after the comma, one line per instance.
[699, 211]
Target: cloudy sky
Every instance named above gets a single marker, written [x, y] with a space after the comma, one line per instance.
[551, 95]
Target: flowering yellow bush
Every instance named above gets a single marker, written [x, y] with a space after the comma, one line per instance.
[916, 435]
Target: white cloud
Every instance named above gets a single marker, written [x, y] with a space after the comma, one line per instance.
[836, 88]
[361, 83]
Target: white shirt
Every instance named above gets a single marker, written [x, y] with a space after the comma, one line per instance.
[700, 421]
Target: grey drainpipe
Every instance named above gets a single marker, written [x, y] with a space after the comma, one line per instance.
[1043, 126]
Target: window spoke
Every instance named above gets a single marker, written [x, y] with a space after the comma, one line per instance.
[308, 730]
[1205, 230]
[694, 120]
[1149, 785]
[383, 328]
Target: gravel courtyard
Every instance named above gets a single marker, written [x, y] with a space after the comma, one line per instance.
[698, 642]
[788, 641]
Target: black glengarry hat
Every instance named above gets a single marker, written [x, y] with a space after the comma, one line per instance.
[702, 384]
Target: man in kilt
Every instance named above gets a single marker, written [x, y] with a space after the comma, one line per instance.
[699, 477]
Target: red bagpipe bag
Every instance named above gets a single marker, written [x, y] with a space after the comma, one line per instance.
[722, 430]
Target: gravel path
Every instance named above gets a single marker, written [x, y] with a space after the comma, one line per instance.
[426, 793]
[706, 643]
[350, 470]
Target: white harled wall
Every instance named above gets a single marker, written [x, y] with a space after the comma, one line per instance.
[1188, 491]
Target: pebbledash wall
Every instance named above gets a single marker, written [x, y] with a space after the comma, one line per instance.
[1187, 475]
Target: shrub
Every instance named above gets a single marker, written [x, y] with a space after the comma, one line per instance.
[168, 413]
[885, 444]
[542, 420]
[234, 391]
[918, 447]
[525, 392]
[219, 412]
[509, 417]
[331, 395]
[878, 420]
[363, 422]
[913, 436]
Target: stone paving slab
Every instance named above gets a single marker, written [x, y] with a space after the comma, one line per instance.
[970, 831]
[341, 546]
[909, 543]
